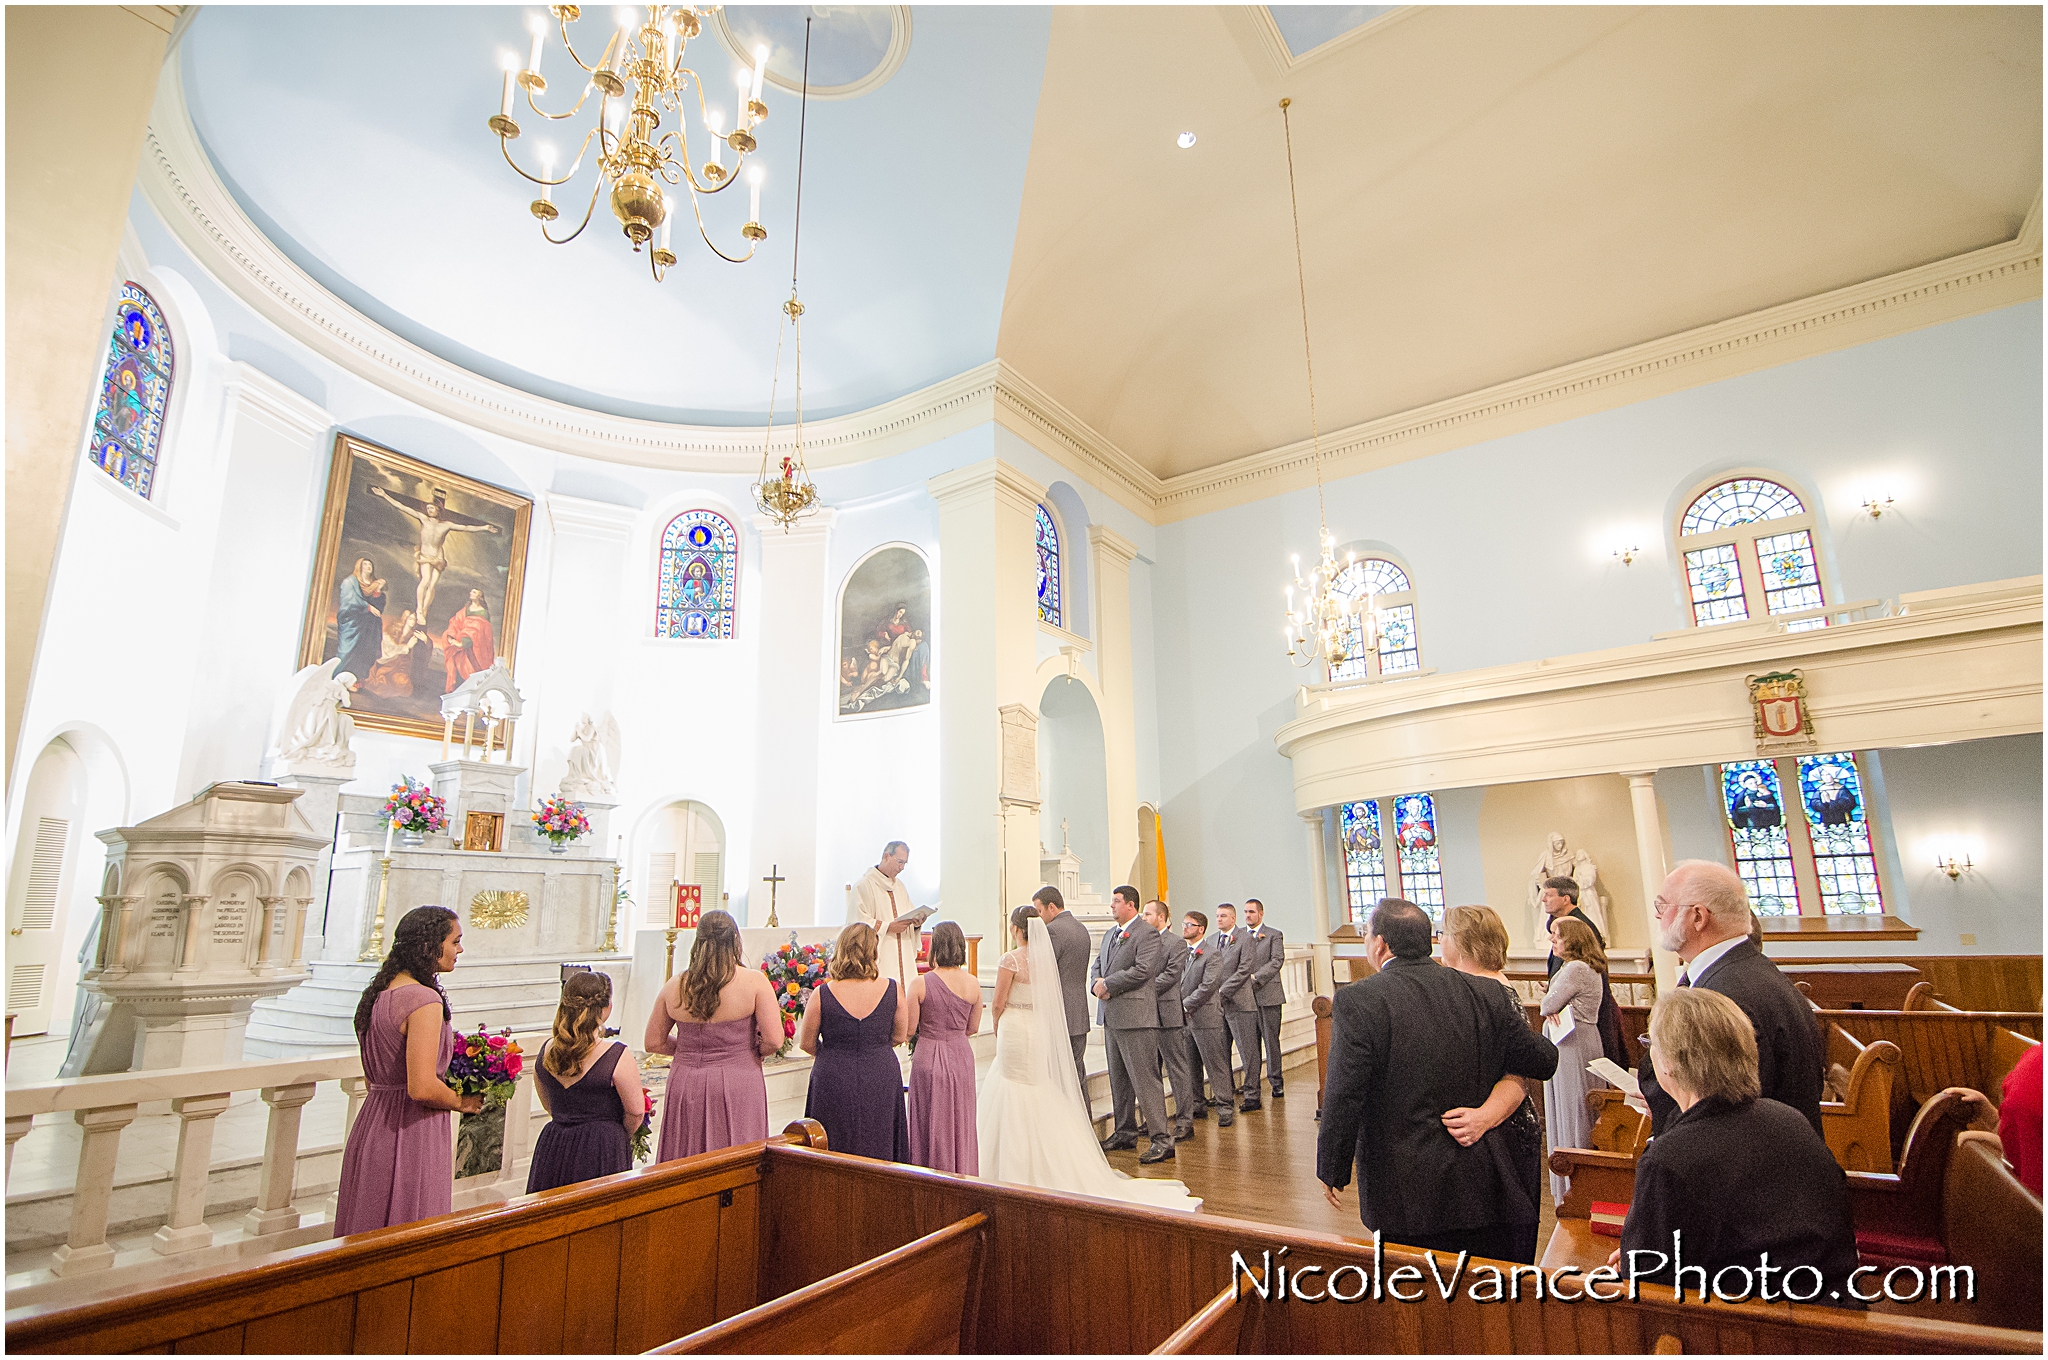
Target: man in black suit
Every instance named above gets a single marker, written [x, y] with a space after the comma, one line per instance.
[1408, 1043]
[1703, 916]
[1070, 949]
[1206, 1037]
[1560, 897]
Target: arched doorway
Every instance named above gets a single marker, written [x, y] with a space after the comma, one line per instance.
[75, 787]
[1074, 769]
[683, 842]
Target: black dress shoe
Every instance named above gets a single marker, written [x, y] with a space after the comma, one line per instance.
[1118, 1144]
[1182, 1135]
[1200, 1112]
[1249, 1106]
[1225, 1120]
[1158, 1152]
[1277, 1093]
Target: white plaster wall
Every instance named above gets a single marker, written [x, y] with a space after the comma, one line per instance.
[1510, 542]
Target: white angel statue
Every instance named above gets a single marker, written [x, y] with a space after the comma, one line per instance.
[593, 759]
[311, 727]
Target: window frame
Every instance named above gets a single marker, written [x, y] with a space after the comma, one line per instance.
[176, 380]
[1793, 809]
[1395, 873]
[1743, 538]
[1382, 603]
[662, 550]
[1059, 562]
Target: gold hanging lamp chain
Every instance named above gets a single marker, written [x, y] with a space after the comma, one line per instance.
[1301, 282]
[789, 496]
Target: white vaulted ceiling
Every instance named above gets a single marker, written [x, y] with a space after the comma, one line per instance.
[1485, 194]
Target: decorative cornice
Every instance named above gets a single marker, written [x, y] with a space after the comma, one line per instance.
[1109, 543]
[252, 390]
[591, 519]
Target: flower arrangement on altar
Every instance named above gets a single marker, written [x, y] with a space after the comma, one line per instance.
[643, 1137]
[561, 820]
[794, 970]
[486, 1065]
[413, 808]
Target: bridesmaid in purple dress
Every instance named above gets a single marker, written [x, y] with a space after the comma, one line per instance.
[591, 1092]
[399, 1163]
[851, 1026]
[947, 1002]
[718, 1020]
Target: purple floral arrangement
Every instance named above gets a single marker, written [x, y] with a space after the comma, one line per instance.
[559, 819]
[413, 807]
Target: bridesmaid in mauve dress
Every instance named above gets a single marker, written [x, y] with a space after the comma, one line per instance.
[851, 1027]
[592, 1093]
[942, 1112]
[399, 1163]
[718, 1020]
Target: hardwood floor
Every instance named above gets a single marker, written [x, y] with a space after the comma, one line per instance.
[1263, 1167]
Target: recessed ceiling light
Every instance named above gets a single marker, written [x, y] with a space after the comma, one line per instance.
[1186, 139]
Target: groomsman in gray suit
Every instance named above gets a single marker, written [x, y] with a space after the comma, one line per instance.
[1240, 1005]
[1173, 1051]
[1070, 949]
[1267, 952]
[1132, 956]
[1205, 1040]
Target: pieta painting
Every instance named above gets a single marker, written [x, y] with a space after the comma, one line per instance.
[416, 584]
[885, 633]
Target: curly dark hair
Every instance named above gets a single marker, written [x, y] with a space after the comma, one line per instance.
[415, 945]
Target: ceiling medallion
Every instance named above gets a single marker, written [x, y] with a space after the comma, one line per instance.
[634, 86]
[786, 494]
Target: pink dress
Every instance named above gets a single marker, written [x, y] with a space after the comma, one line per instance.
[399, 1164]
[942, 1113]
[717, 1096]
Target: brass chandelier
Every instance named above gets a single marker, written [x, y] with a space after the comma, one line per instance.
[787, 494]
[1328, 625]
[639, 77]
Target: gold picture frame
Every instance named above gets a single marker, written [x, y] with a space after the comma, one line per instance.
[435, 543]
[483, 831]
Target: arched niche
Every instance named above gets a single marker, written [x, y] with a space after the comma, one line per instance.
[682, 841]
[1074, 772]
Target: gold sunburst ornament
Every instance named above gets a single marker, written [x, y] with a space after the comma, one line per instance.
[785, 493]
[498, 909]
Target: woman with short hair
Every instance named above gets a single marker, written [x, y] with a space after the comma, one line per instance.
[851, 1026]
[1475, 941]
[1733, 1177]
[947, 1001]
[718, 1020]
[1577, 988]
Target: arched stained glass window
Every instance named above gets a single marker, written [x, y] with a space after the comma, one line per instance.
[1422, 874]
[1831, 791]
[128, 425]
[1735, 570]
[1754, 804]
[1365, 862]
[1049, 570]
[699, 577]
[1382, 586]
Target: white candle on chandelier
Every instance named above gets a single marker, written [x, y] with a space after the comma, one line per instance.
[547, 172]
[533, 57]
[666, 223]
[505, 105]
[760, 69]
[712, 119]
[754, 194]
[745, 117]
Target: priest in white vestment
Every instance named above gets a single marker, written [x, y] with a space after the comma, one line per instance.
[879, 899]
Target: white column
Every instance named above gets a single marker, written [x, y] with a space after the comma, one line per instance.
[1110, 571]
[318, 804]
[85, 1246]
[789, 707]
[18, 1126]
[1642, 797]
[1319, 902]
[185, 1229]
[273, 1212]
[987, 658]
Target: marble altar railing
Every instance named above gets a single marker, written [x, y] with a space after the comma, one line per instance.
[103, 1106]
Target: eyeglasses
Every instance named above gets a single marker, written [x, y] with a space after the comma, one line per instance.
[1662, 905]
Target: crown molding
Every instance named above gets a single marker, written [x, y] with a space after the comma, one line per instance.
[1286, 63]
[252, 390]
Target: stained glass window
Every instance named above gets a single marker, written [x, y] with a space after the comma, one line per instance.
[1754, 804]
[1791, 576]
[1385, 586]
[1714, 576]
[128, 426]
[699, 577]
[1365, 863]
[1422, 874]
[1048, 569]
[1744, 500]
[1831, 791]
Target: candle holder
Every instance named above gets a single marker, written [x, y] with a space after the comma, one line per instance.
[373, 943]
[668, 969]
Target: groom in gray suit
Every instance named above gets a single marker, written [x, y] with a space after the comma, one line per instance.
[1133, 954]
[1269, 994]
[1070, 950]
[1173, 1052]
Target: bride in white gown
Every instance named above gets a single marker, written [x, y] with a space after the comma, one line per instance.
[1030, 1123]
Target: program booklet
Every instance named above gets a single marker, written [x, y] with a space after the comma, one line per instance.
[1617, 1076]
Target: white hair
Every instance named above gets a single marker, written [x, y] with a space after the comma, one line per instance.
[1717, 888]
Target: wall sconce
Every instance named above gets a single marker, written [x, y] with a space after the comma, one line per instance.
[1947, 864]
[1627, 555]
[1877, 507]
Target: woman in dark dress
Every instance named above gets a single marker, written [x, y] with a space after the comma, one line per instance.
[851, 1027]
[1476, 942]
[591, 1092]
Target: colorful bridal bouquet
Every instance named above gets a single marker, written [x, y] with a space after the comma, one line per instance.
[643, 1137]
[413, 807]
[486, 1065]
[560, 820]
[794, 970]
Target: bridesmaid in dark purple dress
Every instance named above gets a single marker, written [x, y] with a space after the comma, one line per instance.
[399, 1163]
[947, 1001]
[851, 1027]
[594, 1099]
[719, 1020]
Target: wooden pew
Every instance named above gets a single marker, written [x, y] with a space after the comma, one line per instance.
[1616, 1127]
[1992, 1224]
[918, 1299]
[1943, 1048]
[1227, 1325]
[2007, 1045]
[1898, 1214]
[1858, 1125]
[1602, 1177]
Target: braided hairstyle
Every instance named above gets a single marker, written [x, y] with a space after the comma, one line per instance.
[714, 958]
[577, 1020]
[415, 950]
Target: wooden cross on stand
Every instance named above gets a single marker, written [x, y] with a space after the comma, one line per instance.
[774, 881]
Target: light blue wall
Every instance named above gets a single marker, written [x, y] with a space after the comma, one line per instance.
[1509, 542]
